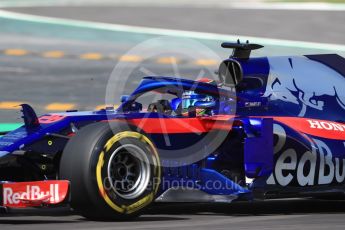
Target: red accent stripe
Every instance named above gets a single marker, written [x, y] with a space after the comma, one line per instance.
[315, 127]
[183, 125]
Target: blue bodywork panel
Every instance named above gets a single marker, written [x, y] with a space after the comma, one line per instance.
[287, 120]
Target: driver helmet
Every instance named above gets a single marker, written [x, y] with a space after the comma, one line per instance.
[189, 98]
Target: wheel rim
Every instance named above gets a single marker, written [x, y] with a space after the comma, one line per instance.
[128, 171]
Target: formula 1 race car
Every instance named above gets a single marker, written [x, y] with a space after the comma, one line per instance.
[269, 127]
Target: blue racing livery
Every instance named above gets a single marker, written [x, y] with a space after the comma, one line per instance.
[268, 127]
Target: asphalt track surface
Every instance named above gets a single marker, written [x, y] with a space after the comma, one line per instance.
[82, 82]
[312, 26]
[288, 214]
[41, 80]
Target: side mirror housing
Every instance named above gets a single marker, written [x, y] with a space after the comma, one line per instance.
[230, 73]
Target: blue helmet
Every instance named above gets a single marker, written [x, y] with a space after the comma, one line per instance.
[190, 98]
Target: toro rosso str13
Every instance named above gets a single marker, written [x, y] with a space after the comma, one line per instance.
[269, 127]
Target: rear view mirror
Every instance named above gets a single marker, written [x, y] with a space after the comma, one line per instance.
[230, 73]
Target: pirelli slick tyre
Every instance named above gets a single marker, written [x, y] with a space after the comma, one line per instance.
[114, 173]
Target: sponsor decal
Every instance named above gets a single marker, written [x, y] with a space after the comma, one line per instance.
[29, 194]
[253, 104]
[315, 167]
[317, 128]
[292, 79]
[314, 124]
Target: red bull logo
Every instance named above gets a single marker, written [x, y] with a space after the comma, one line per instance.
[304, 82]
[26, 194]
[317, 166]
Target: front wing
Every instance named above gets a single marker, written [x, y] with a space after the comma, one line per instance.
[33, 194]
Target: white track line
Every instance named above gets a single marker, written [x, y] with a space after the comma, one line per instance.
[235, 4]
[168, 32]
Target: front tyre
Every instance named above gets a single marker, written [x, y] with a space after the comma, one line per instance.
[114, 174]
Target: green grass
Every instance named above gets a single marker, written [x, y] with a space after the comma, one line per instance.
[9, 126]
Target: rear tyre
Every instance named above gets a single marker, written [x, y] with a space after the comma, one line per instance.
[114, 173]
